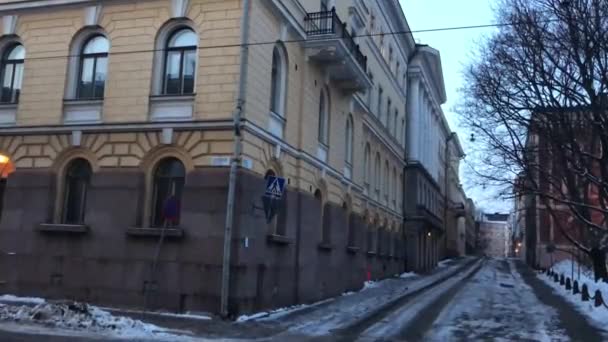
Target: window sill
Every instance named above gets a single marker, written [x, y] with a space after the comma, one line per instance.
[8, 113]
[91, 101]
[371, 254]
[171, 97]
[172, 107]
[325, 246]
[76, 111]
[278, 239]
[63, 228]
[155, 232]
[352, 249]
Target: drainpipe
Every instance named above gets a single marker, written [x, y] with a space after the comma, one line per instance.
[236, 159]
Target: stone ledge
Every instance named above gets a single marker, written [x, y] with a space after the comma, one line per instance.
[278, 239]
[155, 232]
[325, 246]
[63, 228]
[371, 253]
[352, 249]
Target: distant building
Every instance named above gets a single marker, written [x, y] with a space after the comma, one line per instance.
[495, 235]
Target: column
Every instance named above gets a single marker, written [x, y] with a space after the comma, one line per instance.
[413, 115]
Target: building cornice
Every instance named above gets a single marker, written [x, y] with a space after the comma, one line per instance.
[38, 4]
[282, 8]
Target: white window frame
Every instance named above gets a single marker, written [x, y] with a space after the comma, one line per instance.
[277, 120]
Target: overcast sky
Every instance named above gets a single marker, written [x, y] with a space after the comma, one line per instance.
[455, 47]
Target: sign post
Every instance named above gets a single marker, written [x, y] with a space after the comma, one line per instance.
[275, 187]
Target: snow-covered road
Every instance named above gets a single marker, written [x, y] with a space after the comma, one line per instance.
[496, 304]
[463, 300]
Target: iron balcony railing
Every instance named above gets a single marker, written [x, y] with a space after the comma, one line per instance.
[327, 23]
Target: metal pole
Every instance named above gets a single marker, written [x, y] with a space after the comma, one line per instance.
[235, 163]
[154, 264]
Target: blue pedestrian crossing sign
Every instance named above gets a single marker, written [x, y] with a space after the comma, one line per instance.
[275, 186]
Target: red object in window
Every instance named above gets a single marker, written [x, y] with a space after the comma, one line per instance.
[171, 210]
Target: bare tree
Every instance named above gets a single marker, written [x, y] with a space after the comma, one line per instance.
[535, 100]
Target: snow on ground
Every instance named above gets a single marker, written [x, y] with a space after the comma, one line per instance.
[497, 305]
[71, 318]
[7, 298]
[408, 275]
[344, 310]
[188, 315]
[597, 316]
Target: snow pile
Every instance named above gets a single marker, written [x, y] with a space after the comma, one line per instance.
[586, 277]
[598, 315]
[408, 275]
[370, 284]
[78, 316]
[245, 318]
[25, 300]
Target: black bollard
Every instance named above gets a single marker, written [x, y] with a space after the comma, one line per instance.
[585, 293]
[575, 289]
[568, 284]
[555, 278]
[562, 281]
[599, 301]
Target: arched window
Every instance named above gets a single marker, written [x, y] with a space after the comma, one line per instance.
[386, 181]
[12, 73]
[403, 132]
[325, 218]
[77, 179]
[366, 168]
[278, 89]
[394, 125]
[349, 147]
[278, 224]
[6, 168]
[379, 111]
[324, 114]
[369, 239]
[387, 119]
[168, 184]
[394, 187]
[378, 176]
[93, 68]
[180, 62]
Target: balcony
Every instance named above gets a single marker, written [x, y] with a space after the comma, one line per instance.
[329, 44]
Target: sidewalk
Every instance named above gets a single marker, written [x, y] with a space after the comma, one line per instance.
[575, 324]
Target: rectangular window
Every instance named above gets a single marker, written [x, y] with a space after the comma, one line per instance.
[86, 78]
[7, 94]
[189, 71]
[101, 70]
[172, 81]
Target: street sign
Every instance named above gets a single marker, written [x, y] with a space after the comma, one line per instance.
[275, 187]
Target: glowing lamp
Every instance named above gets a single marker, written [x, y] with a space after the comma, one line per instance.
[3, 159]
